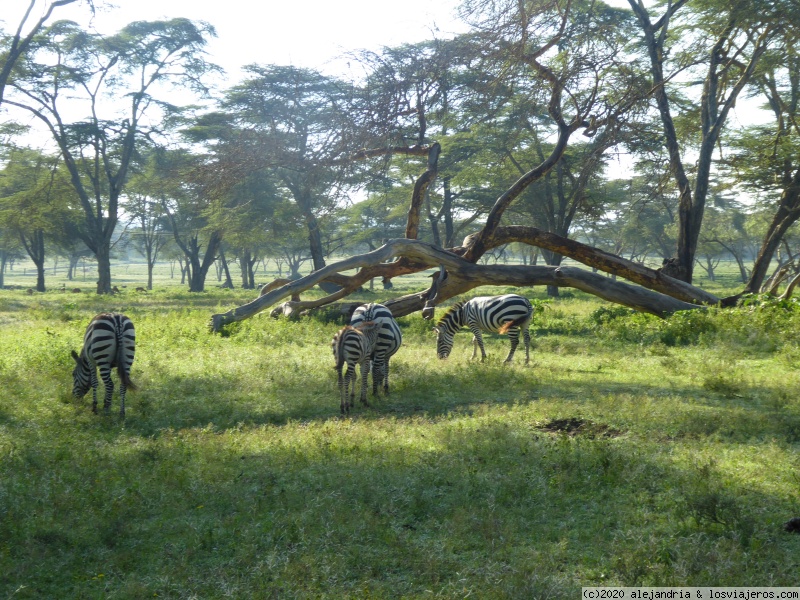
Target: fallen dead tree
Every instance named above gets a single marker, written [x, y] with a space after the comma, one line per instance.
[462, 276]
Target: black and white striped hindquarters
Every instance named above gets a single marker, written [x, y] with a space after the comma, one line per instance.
[509, 314]
[109, 341]
[353, 346]
[389, 341]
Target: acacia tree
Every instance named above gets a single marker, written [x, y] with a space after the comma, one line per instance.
[14, 46]
[149, 231]
[160, 176]
[34, 203]
[194, 216]
[296, 123]
[69, 70]
[9, 251]
[719, 44]
[766, 158]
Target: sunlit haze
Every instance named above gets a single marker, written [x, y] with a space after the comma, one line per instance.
[307, 33]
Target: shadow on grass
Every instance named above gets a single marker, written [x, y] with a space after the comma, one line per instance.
[668, 410]
[487, 507]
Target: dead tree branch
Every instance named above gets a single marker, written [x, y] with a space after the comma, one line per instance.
[462, 277]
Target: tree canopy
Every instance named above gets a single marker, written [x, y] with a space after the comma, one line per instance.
[502, 135]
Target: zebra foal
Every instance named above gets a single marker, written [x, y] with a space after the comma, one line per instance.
[497, 314]
[109, 341]
[353, 346]
[389, 340]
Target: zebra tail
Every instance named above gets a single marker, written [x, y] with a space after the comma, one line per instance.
[515, 323]
[125, 377]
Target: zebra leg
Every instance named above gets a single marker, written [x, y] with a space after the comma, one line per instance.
[477, 341]
[377, 375]
[364, 378]
[342, 393]
[375, 368]
[105, 374]
[527, 337]
[93, 381]
[122, 388]
[386, 377]
[513, 335]
[350, 382]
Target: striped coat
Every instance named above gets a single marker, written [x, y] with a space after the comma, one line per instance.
[510, 314]
[389, 340]
[110, 341]
[353, 346]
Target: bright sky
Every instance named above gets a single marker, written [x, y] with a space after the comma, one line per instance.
[303, 33]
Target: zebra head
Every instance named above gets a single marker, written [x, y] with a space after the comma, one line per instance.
[81, 376]
[446, 330]
[444, 342]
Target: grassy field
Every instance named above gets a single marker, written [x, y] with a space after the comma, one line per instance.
[631, 451]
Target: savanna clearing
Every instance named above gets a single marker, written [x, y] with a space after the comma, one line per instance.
[631, 451]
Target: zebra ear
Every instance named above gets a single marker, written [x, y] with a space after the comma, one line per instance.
[75, 356]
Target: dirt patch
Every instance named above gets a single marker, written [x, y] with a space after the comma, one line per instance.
[573, 426]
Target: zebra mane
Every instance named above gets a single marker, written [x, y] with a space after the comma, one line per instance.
[451, 313]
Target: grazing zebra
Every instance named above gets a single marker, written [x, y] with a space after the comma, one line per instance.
[110, 341]
[353, 346]
[500, 314]
[389, 340]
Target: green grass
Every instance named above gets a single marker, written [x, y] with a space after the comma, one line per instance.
[631, 451]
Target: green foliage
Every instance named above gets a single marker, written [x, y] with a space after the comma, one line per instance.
[679, 329]
[606, 314]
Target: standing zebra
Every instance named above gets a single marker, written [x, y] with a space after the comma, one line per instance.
[353, 346]
[499, 314]
[389, 340]
[110, 341]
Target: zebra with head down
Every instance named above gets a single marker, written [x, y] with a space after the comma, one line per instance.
[109, 341]
[509, 314]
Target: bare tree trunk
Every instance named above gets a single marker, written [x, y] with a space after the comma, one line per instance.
[787, 214]
[3, 261]
[103, 255]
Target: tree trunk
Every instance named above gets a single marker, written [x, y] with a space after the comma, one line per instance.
[228, 280]
[40, 277]
[199, 270]
[244, 260]
[150, 264]
[103, 256]
[35, 249]
[3, 261]
[197, 280]
[787, 214]
[247, 264]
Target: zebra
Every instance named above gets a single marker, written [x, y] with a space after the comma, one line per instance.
[389, 340]
[500, 314]
[110, 341]
[353, 346]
